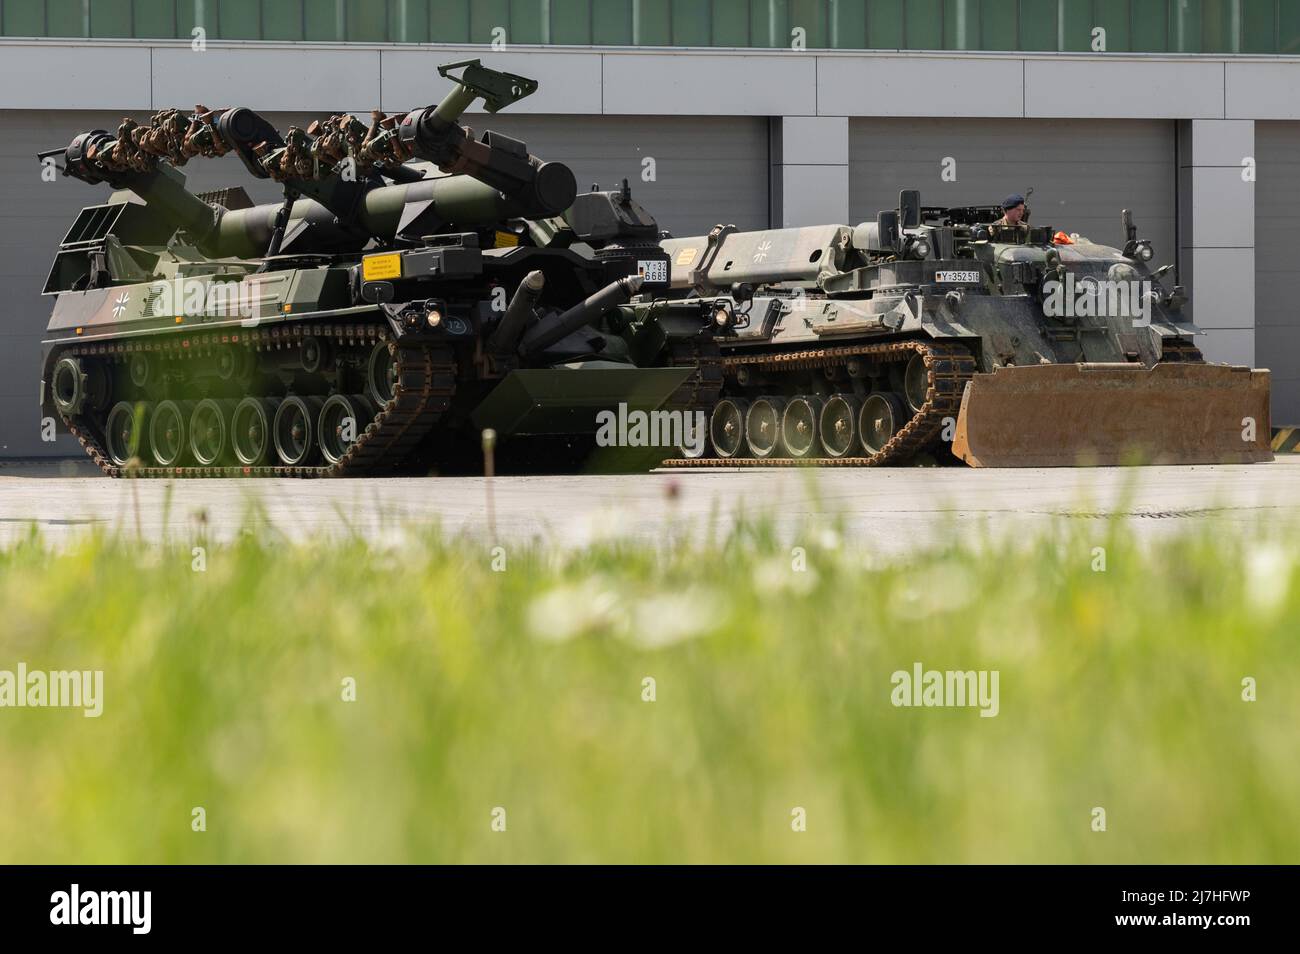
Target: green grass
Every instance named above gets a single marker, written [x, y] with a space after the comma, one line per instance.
[522, 689]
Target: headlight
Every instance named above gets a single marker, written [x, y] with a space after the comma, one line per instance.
[434, 317]
[722, 315]
[1144, 252]
[920, 248]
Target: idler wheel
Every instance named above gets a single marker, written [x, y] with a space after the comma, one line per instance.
[167, 432]
[763, 426]
[799, 425]
[250, 430]
[126, 432]
[727, 426]
[73, 385]
[294, 430]
[916, 382]
[343, 418]
[381, 375]
[838, 426]
[881, 417]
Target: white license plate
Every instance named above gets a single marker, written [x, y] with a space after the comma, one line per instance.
[964, 278]
[653, 269]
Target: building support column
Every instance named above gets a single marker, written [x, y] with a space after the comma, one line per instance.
[1216, 233]
[810, 171]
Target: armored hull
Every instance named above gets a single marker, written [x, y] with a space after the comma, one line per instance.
[932, 334]
[416, 287]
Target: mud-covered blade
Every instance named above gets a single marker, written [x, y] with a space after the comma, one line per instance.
[1059, 415]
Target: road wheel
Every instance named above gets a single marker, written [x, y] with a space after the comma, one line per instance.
[127, 431]
[727, 426]
[799, 426]
[210, 433]
[294, 430]
[881, 417]
[838, 425]
[763, 426]
[250, 430]
[167, 432]
[343, 418]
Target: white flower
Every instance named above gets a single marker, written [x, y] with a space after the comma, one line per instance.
[572, 610]
[1268, 578]
[665, 619]
[944, 588]
[776, 576]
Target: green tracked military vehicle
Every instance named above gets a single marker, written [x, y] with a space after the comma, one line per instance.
[933, 330]
[416, 286]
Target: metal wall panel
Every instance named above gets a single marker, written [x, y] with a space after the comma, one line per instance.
[241, 19]
[109, 18]
[611, 23]
[154, 18]
[1150, 26]
[1277, 268]
[707, 169]
[1082, 172]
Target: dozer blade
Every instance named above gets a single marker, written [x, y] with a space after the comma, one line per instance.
[1063, 415]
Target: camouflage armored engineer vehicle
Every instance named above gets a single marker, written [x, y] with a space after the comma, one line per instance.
[929, 331]
[415, 286]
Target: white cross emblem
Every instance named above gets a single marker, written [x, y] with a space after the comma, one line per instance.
[119, 306]
[764, 247]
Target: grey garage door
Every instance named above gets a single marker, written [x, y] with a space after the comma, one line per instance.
[704, 167]
[701, 166]
[1277, 270]
[1083, 172]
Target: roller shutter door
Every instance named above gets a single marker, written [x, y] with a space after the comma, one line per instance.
[1277, 266]
[1083, 172]
[706, 168]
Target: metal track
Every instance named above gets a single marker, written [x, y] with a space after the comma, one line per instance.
[426, 381]
[1180, 350]
[948, 367]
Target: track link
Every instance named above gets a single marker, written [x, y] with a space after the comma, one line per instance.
[948, 367]
[1179, 350]
[426, 383]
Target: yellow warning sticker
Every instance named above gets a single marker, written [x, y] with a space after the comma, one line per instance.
[686, 256]
[376, 268]
[507, 240]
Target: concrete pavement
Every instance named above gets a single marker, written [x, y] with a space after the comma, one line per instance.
[885, 510]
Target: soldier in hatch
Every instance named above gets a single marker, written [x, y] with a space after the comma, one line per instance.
[1013, 211]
